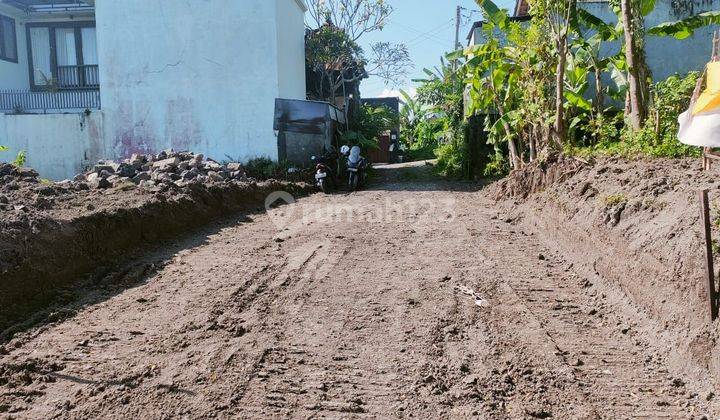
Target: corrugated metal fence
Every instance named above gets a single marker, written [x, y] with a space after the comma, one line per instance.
[19, 101]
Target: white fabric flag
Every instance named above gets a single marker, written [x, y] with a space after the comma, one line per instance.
[700, 130]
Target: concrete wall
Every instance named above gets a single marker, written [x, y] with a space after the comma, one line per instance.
[201, 76]
[666, 55]
[58, 146]
[15, 75]
[291, 49]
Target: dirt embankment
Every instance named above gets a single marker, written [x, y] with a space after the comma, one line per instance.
[53, 234]
[633, 228]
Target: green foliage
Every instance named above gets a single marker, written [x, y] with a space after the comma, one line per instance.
[453, 154]
[498, 165]
[433, 121]
[368, 125]
[450, 159]
[263, 168]
[332, 45]
[511, 81]
[20, 159]
[414, 139]
[686, 27]
[659, 136]
[513, 78]
[613, 200]
[333, 55]
[426, 135]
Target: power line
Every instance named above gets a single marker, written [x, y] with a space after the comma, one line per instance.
[424, 35]
[420, 39]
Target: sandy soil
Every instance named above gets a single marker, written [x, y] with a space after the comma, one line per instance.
[414, 298]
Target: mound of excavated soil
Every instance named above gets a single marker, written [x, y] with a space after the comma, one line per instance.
[633, 227]
[51, 234]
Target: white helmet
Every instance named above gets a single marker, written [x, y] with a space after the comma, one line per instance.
[345, 149]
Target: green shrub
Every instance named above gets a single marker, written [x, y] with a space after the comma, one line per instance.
[450, 160]
[658, 138]
[419, 151]
[20, 159]
[497, 166]
[263, 168]
[422, 140]
[369, 123]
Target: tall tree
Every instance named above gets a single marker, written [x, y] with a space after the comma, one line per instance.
[559, 16]
[355, 17]
[632, 17]
[333, 50]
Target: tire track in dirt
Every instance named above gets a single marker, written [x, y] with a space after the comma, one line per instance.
[343, 318]
[616, 374]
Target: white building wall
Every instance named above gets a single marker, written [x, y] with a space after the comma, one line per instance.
[200, 75]
[15, 75]
[58, 146]
[291, 49]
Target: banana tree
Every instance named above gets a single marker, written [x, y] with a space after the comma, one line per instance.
[411, 114]
[493, 79]
[631, 18]
[559, 17]
[593, 34]
[685, 28]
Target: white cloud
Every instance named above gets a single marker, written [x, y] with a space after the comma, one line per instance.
[387, 93]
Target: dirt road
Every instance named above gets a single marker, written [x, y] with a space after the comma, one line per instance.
[415, 298]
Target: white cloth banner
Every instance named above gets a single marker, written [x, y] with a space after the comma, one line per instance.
[700, 130]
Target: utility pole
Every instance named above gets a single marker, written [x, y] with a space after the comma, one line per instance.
[457, 28]
[458, 15]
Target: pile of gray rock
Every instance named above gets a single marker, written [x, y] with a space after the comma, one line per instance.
[165, 168]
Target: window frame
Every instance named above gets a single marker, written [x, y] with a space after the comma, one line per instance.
[3, 54]
[52, 26]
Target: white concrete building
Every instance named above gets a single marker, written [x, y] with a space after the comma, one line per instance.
[82, 81]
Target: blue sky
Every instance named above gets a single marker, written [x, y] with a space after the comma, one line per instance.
[427, 27]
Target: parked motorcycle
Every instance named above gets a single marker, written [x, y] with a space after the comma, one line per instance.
[326, 170]
[357, 167]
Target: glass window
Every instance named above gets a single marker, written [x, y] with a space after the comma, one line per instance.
[65, 44]
[89, 46]
[64, 54]
[8, 42]
[40, 46]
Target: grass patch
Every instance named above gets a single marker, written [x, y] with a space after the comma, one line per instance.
[613, 200]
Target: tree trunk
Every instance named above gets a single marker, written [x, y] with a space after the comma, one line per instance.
[532, 143]
[559, 127]
[599, 95]
[514, 157]
[638, 111]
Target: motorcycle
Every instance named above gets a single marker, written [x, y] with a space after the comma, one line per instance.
[325, 170]
[356, 167]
